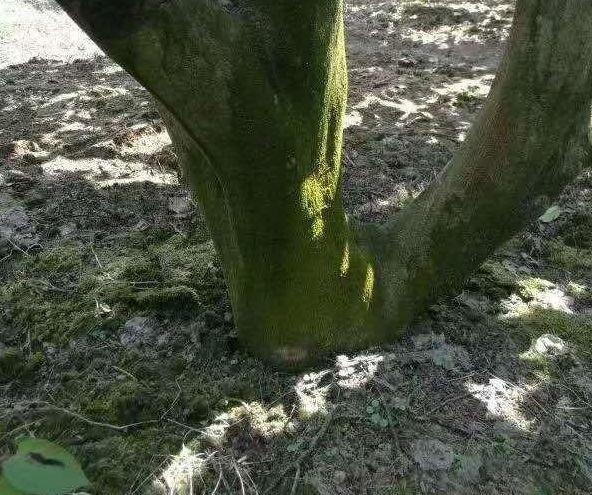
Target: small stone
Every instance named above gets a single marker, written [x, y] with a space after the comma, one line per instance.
[549, 345]
[35, 199]
[15, 218]
[181, 206]
[68, 229]
[407, 62]
[400, 403]
[142, 225]
[136, 332]
[432, 455]
[103, 309]
[551, 214]
[339, 477]
[17, 228]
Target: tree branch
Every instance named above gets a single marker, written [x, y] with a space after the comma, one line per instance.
[530, 141]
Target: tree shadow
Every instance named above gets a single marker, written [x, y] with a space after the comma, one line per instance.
[419, 74]
[85, 109]
[424, 416]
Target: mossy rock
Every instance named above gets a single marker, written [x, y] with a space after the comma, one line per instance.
[493, 279]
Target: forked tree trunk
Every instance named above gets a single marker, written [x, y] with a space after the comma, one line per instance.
[253, 93]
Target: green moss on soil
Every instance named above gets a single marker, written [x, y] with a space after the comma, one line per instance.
[577, 230]
[569, 258]
[72, 289]
[540, 363]
[574, 328]
[529, 288]
[580, 292]
[11, 363]
[498, 273]
[120, 462]
[494, 279]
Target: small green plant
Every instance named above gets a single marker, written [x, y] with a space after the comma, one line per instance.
[40, 467]
[503, 445]
[469, 98]
[376, 417]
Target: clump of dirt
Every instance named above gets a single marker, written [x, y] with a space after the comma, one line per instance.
[116, 333]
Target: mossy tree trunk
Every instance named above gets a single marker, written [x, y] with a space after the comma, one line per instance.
[253, 93]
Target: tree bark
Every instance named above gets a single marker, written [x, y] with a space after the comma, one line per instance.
[253, 93]
[531, 139]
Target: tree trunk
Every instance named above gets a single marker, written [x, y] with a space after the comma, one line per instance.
[531, 139]
[253, 93]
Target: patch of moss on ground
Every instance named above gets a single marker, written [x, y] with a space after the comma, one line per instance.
[11, 364]
[577, 230]
[64, 260]
[46, 314]
[134, 266]
[580, 292]
[569, 258]
[540, 363]
[74, 289]
[121, 463]
[127, 402]
[183, 262]
[494, 280]
[575, 329]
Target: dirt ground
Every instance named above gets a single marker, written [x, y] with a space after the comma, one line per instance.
[116, 334]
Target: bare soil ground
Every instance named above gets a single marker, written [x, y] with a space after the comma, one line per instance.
[116, 334]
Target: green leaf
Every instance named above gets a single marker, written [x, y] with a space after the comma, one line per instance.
[40, 467]
[293, 447]
[551, 214]
[6, 489]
